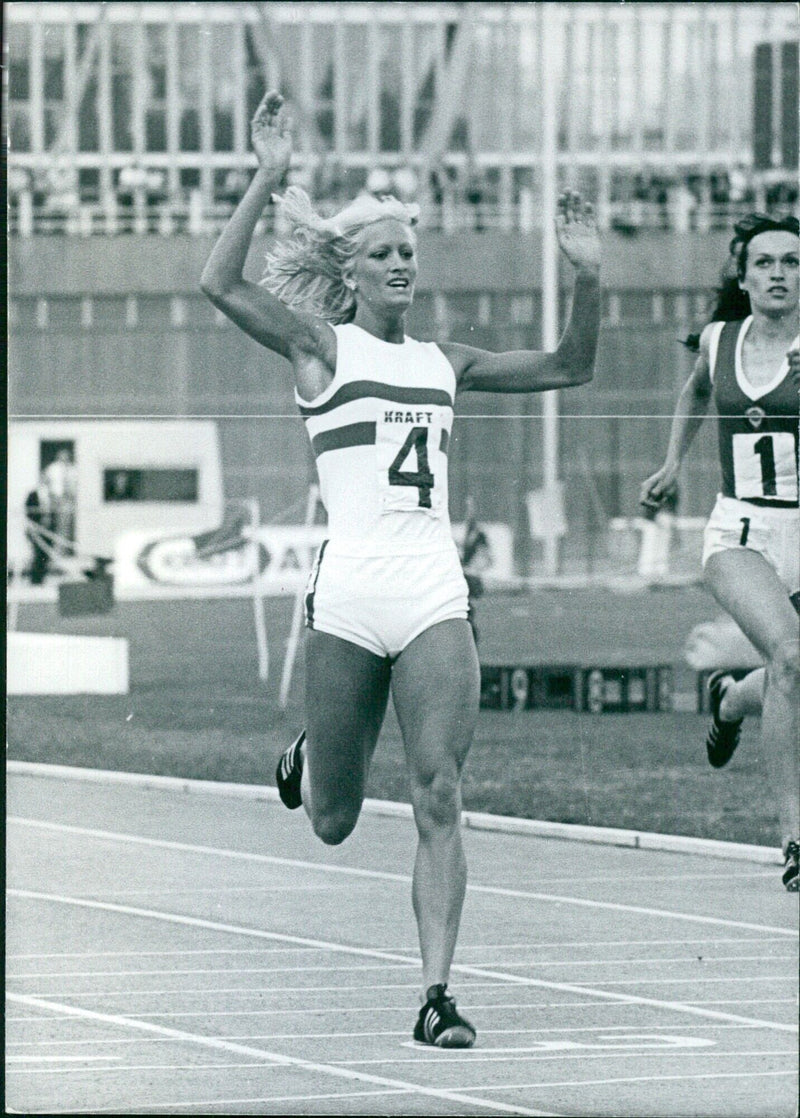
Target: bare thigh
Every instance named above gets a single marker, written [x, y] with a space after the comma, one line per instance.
[436, 690]
[745, 585]
[347, 689]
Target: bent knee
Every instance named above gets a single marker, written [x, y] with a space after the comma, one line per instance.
[437, 801]
[333, 827]
[784, 665]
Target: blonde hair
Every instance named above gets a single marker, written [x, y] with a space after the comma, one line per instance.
[307, 269]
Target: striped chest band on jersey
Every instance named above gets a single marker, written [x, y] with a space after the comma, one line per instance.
[357, 434]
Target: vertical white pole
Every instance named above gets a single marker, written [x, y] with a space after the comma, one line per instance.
[297, 614]
[258, 599]
[549, 261]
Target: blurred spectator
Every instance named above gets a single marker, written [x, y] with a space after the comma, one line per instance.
[379, 181]
[442, 186]
[62, 198]
[61, 480]
[740, 189]
[131, 182]
[39, 513]
[682, 206]
[474, 191]
[404, 184]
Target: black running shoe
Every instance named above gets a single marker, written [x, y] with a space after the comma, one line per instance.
[440, 1023]
[722, 737]
[289, 773]
[791, 866]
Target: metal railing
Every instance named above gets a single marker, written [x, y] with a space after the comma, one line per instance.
[190, 216]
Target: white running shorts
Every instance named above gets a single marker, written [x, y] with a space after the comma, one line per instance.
[383, 602]
[773, 533]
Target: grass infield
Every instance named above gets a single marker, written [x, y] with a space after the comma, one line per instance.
[197, 710]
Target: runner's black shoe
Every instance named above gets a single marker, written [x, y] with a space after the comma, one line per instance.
[791, 866]
[722, 737]
[440, 1023]
[289, 773]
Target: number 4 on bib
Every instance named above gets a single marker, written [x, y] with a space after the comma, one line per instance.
[420, 479]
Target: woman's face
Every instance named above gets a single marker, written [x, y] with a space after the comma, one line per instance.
[771, 276]
[385, 266]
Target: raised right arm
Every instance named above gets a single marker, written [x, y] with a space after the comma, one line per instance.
[255, 310]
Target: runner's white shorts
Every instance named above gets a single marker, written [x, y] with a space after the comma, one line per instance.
[383, 602]
[773, 533]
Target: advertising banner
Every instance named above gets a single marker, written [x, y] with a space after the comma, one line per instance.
[273, 560]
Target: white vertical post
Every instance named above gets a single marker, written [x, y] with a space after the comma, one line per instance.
[258, 598]
[549, 263]
[297, 613]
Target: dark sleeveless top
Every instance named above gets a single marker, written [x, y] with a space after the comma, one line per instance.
[758, 427]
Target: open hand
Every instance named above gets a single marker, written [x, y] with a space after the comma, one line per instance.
[270, 132]
[576, 230]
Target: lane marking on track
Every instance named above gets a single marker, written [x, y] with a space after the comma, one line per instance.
[233, 992]
[471, 820]
[58, 1059]
[276, 1058]
[179, 1107]
[462, 948]
[381, 875]
[374, 953]
[368, 1010]
[230, 972]
[336, 1034]
[574, 1083]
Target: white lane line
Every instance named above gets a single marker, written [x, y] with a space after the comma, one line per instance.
[697, 980]
[261, 950]
[489, 1007]
[22, 1059]
[381, 875]
[706, 960]
[575, 1083]
[280, 991]
[532, 1054]
[337, 1035]
[121, 1068]
[229, 972]
[476, 972]
[274, 1057]
[463, 948]
[180, 1107]
[232, 991]
[640, 910]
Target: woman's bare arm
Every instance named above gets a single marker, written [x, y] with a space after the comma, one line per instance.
[572, 362]
[254, 309]
[690, 411]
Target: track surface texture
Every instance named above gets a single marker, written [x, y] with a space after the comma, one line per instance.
[176, 953]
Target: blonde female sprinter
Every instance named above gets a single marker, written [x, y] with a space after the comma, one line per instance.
[386, 606]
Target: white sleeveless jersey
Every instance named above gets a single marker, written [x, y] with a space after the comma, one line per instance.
[380, 433]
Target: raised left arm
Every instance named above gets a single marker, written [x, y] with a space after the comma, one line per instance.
[572, 362]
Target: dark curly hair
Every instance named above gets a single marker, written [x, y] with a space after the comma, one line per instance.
[731, 303]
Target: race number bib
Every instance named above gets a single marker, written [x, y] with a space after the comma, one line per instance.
[764, 466]
[406, 445]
